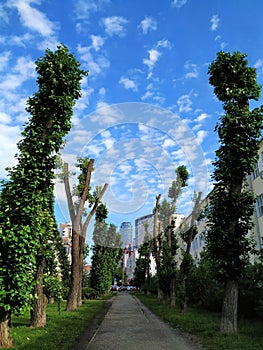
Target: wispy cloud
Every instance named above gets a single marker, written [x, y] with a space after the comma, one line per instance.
[84, 8]
[33, 19]
[115, 25]
[148, 24]
[164, 43]
[184, 103]
[192, 70]
[178, 3]
[95, 64]
[4, 60]
[128, 83]
[97, 42]
[23, 70]
[214, 22]
[3, 14]
[201, 117]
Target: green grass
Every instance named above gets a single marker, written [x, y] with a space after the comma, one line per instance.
[61, 330]
[205, 325]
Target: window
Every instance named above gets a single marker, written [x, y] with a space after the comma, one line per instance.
[259, 206]
[255, 172]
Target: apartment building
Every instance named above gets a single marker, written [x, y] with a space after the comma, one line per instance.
[255, 181]
[66, 235]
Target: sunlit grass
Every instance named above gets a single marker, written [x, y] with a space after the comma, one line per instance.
[61, 330]
[205, 325]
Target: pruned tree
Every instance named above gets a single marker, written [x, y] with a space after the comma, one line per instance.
[26, 202]
[166, 239]
[80, 221]
[174, 192]
[231, 203]
[157, 244]
[188, 234]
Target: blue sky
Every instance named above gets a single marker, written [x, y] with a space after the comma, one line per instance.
[147, 106]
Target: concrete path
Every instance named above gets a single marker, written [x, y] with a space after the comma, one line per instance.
[130, 325]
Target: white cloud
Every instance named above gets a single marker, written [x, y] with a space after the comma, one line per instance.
[96, 64]
[5, 118]
[115, 25]
[106, 114]
[201, 117]
[164, 43]
[128, 83]
[214, 22]
[168, 143]
[153, 58]
[3, 14]
[201, 134]
[147, 95]
[178, 3]
[84, 8]
[97, 42]
[192, 70]
[147, 24]
[258, 64]
[33, 19]
[4, 59]
[9, 137]
[184, 103]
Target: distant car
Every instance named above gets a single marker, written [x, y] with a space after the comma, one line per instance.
[122, 288]
[114, 288]
[131, 288]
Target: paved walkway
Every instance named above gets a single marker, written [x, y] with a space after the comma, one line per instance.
[130, 325]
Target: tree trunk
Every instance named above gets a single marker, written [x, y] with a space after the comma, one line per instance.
[229, 309]
[81, 263]
[157, 245]
[72, 302]
[172, 292]
[38, 313]
[183, 298]
[5, 335]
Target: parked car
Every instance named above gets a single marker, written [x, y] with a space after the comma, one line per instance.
[114, 288]
[131, 288]
[122, 288]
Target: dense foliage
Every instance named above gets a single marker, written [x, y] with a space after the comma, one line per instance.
[106, 252]
[231, 202]
[26, 206]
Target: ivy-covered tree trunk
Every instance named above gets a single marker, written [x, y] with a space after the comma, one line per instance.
[5, 334]
[38, 312]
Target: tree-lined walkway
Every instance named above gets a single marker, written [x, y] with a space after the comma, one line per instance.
[130, 325]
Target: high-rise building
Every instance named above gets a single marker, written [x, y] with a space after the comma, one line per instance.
[126, 233]
[140, 228]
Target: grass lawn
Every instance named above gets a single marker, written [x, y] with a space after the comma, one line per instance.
[205, 325]
[61, 330]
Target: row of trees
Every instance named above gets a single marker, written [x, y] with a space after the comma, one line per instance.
[27, 222]
[165, 248]
[230, 208]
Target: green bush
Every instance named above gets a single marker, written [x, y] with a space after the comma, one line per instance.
[90, 293]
